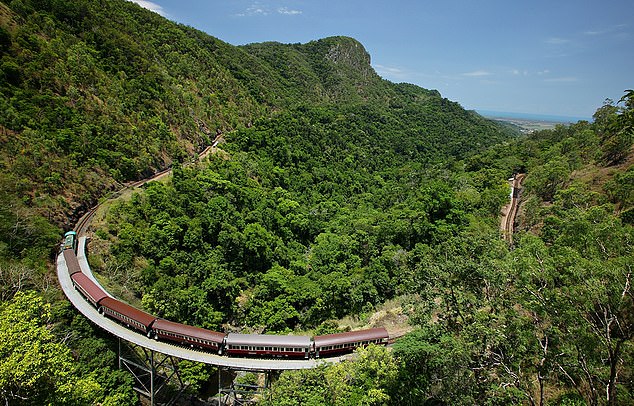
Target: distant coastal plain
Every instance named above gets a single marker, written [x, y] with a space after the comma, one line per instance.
[530, 122]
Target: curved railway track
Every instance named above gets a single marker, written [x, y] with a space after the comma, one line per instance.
[84, 221]
[166, 348]
[508, 221]
[117, 329]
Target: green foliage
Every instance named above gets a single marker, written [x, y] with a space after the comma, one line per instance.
[500, 327]
[616, 127]
[297, 253]
[545, 180]
[621, 191]
[35, 369]
[336, 191]
[434, 366]
[194, 374]
[365, 380]
[96, 356]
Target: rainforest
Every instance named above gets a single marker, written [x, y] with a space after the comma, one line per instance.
[332, 200]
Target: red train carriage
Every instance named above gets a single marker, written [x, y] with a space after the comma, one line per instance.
[268, 345]
[189, 335]
[340, 343]
[88, 288]
[127, 314]
[71, 262]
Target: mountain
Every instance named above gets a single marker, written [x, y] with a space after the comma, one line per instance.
[336, 200]
[97, 93]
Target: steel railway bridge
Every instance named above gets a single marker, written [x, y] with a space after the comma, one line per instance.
[153, 363]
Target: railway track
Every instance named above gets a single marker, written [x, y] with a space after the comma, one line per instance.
[82, 225]
[84, 221]
[170, 349]
[508, 221]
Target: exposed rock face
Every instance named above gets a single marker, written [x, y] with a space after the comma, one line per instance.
[347, 52]
[333, 69]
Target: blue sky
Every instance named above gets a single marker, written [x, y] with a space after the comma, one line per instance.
[559, 57]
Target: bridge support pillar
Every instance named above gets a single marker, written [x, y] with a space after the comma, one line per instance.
[239, 387]
[152, 372]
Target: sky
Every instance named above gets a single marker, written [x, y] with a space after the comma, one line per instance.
[554, 57]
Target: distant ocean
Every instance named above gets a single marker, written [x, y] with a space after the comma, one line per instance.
[532, 117]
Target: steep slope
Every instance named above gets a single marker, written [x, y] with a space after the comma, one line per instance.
[335, 69]
[97, 93]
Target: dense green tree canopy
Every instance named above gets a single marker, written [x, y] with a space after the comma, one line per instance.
[36, 369]
[332, 191]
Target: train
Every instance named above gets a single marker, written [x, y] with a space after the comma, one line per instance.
[229, 344]
[70, 241]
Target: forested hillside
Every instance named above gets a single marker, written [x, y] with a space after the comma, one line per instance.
[94, 94]
[333, 192]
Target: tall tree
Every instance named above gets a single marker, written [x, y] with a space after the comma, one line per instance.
[35, 368]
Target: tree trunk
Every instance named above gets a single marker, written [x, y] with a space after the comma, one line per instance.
[614, 365]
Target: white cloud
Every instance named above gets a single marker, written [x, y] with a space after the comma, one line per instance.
[477, 73]
[150, 6]
[557, 41]
[256, 9]
[392, 72]
[593, 33]
[388, 69]
[287, 11]
[527, 73]
[607, 30]
[517, 72]
[562, 79]
[259, 9]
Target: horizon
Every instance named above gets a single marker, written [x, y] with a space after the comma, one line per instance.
[563, 59]
[551, 118]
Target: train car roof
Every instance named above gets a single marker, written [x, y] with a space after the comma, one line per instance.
[139, 315]
[71, 232]
[89, 286]
[351, 336]
[267, 340]
[191, 331]
[71, 261]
